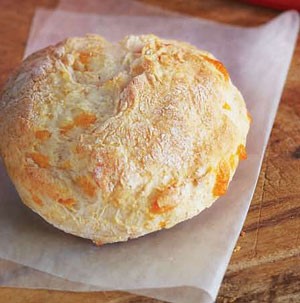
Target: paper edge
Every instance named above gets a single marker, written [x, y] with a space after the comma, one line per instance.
[294, 16]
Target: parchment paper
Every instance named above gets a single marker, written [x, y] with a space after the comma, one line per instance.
[187, 262]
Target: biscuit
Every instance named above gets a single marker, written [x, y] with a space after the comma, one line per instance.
[114, 141]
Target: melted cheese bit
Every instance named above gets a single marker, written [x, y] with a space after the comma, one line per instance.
[42, 134]
[86, 185]
[219, 66]
[157, 209]
[222, 179]
[241, 152]
[37, 200]
[83, 120]
[40, 159]
[67, 202]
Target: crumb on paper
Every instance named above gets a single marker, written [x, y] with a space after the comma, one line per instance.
[237, 248]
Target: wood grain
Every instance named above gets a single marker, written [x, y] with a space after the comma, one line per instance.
[265, 266]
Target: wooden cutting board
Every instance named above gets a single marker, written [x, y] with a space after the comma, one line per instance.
[265, 266]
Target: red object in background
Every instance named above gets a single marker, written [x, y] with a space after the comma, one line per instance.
[277, 4]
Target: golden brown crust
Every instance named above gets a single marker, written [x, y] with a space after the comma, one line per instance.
[110, 142]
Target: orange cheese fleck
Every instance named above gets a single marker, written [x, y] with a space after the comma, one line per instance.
[64, 129]
[157, 209]
[42, 134]
[162, 224]
[222, 179]
[67, 202]
[40, 159]
[84, 119]
[84, 57]
[241, 152]
[219, 66]
[226, 106]
[86, 185]
[37, 200]
[249, 117]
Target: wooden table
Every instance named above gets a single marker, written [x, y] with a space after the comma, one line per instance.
[265, 266]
